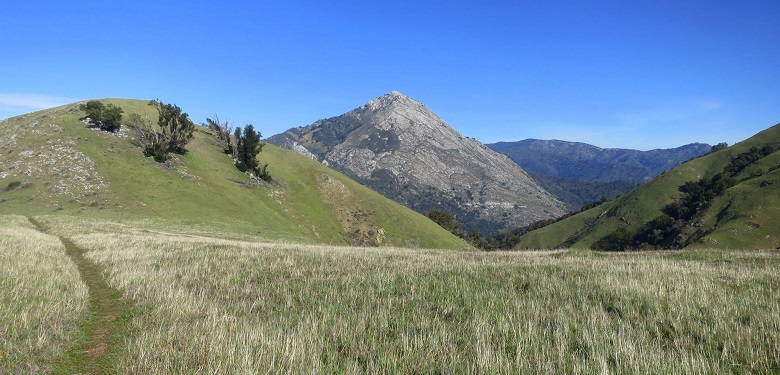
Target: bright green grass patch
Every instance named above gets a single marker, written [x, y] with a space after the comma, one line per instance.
[42, 298]
[212, 305]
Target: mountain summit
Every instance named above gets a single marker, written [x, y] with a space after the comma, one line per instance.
[400, 148]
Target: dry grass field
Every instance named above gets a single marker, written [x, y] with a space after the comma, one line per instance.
[216, 306]
[42, 298]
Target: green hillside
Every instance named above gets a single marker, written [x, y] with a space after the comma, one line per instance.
[51, 163]
[744, 216]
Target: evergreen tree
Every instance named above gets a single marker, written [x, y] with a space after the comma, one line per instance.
[175, 125]
[248, 146]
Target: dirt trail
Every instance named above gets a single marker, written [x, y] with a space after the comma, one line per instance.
[103, 329]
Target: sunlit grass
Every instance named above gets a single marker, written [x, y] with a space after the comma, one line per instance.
[221, 306]
[41, 298]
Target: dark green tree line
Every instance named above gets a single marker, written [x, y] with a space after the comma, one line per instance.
[668, 230]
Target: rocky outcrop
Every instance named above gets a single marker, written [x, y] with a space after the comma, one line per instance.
[400, 148]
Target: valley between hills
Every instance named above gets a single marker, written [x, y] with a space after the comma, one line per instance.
[119, 260]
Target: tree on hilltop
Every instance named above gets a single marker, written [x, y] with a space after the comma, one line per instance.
[173, 131]
[176, 126]
[107, 117]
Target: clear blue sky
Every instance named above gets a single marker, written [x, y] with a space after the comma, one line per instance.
[633, 74]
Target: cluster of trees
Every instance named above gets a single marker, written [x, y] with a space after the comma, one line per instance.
[173, 131]
[107, 117]
[719, 146]
[508, 239]
[503, 240]
[447, 221]
[741, 161]
[672, 229]
[243, 146]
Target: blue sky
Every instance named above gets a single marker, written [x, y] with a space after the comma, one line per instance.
[631, 74]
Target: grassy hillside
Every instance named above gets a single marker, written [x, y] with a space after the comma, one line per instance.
[743, 217]
[200, 304]
[52, 163]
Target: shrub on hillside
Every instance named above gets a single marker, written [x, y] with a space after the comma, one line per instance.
[222, 130]
[107, 117]
[171, 134]
[247, 147]
[148, 138]
[175, 126]
[445, 220]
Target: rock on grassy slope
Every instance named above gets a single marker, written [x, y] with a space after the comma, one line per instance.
[743, 217]
[52, 163]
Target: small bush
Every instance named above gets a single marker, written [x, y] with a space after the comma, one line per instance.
[146, 137]
[13, 185]
[222, 130]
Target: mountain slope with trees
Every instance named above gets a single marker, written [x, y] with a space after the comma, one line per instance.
[729, 198]
[579, 173]
[52, 162]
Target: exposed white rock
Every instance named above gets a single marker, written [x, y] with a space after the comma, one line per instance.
[299, 148]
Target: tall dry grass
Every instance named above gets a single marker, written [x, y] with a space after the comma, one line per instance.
[41, 298]
[217, 306]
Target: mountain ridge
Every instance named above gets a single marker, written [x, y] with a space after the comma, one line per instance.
[577, 160]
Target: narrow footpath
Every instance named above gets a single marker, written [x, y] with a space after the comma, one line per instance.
[104, 327]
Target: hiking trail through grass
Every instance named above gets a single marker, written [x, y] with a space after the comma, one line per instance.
[103, 328]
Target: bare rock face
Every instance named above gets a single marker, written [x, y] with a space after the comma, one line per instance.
[400, 148]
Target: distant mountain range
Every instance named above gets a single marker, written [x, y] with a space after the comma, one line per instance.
[400, 148]
[727, 199]
[579, 173]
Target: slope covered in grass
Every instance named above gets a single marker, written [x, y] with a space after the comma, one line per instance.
[42, 299]
[744, 216]
[227, 306]
[53, 163]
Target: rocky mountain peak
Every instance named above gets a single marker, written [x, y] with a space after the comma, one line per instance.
[395, 105]
[394, 98]
[403, 150]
